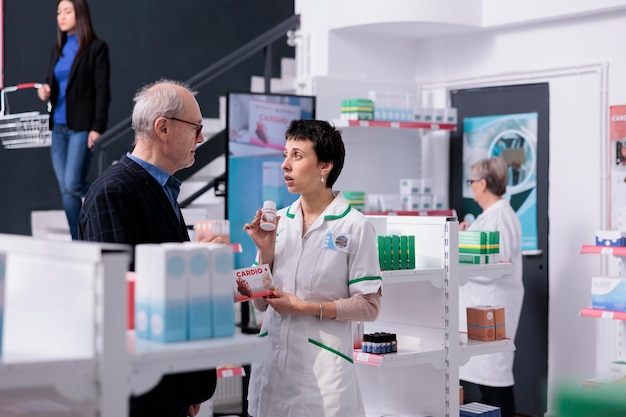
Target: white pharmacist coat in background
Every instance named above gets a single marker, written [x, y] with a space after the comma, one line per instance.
[310, 372]
[496, 370]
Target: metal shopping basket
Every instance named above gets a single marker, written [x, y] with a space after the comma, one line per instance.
[23, 130]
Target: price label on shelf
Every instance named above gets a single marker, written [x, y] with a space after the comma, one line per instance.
[394, 125]
[367, 358]
[607, 314]
[364, 123]
[228, 371]
[606, 251]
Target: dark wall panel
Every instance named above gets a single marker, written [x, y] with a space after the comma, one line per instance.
[148, 39]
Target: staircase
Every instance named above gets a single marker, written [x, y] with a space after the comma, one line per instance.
[52, 224]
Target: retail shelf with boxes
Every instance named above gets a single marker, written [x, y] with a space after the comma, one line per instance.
[607, 295]
[66, 343]
[367, 141]
[420, 306]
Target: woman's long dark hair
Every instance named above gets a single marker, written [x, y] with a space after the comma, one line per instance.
[84, 28]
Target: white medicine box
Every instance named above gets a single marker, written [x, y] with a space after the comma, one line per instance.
[608, 293]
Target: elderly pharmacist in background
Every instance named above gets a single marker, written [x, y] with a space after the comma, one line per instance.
[489, 378]
[323, 285]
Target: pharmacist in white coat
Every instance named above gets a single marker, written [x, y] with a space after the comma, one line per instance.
[489, 378]
[325, 266]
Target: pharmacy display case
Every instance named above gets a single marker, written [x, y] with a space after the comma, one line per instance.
[65, 340]
[421, 307]
[611, 326]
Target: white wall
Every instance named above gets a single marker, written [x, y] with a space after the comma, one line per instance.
[358, 17]
[572, 45]
[503, 12]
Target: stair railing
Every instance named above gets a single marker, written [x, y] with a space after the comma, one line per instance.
[261, 43]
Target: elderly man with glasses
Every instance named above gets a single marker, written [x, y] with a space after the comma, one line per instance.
[134, 202]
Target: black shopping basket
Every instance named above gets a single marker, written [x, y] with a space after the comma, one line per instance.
[23, 130]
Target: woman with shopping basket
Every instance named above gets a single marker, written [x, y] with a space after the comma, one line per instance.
[77, 87]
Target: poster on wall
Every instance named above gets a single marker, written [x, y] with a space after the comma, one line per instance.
[617, 163]
[513, 137]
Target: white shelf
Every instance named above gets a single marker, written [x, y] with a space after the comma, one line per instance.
[434, 275]
[471, 348]
[433, 356]
[618, 251]
[150, 360]
[495, 270]
[602, 314]
[23, 373]
[392, 124]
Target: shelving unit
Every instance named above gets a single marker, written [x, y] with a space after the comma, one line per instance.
[611, 334]
[603, 250]
[64, 328]
[602, 314]
[487, 270]
[392, 124]
[421, 307]
[367, 140]
[149, 360]
[471, 348]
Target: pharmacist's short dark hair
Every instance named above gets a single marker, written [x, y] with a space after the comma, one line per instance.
[495, 173]
[327, 143]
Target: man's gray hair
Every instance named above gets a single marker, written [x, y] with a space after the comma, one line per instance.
[152, 103]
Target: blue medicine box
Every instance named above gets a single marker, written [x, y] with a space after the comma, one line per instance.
[608, 293]
[610, 238]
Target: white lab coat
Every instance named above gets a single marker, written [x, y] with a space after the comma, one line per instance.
[496, 370]
[310, 372]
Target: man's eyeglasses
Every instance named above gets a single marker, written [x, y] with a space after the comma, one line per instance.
[196, 125]
[472, 181]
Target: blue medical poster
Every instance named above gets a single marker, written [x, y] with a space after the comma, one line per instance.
[512, 137]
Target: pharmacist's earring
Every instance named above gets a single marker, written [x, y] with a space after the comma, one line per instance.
[322, 179]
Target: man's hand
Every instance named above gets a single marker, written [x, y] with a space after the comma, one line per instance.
[212, 239]
[194, 410]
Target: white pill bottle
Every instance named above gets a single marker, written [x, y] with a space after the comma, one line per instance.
[268, 215]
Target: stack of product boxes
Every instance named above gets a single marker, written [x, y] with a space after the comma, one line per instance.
[392, 106]
[479, 246]
[205, 228]
[396, 252]
[395, 107]
[417, 194]
[356, 199]
[610, 238]
[486, 323]
[357, 109]
[476, 409]
[609, 293]
[183, 291]
[446, 115]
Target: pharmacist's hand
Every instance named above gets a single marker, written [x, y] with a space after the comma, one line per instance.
[193, 410]
[464, 225]
[263, 239]
[212, 239]
[285, 302]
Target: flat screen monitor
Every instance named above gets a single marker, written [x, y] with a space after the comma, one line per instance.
[256, 125]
